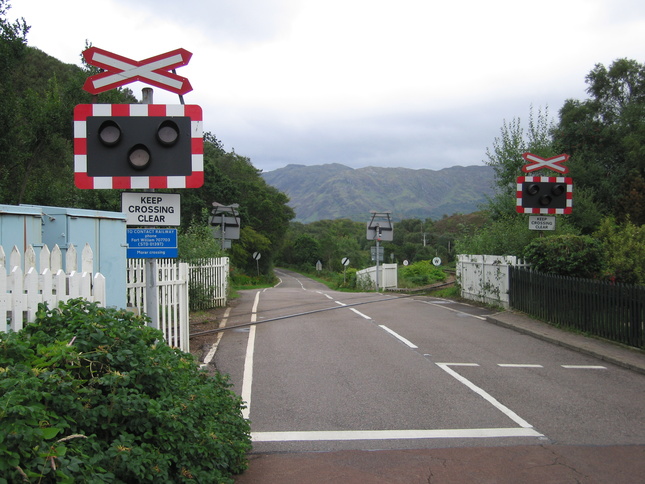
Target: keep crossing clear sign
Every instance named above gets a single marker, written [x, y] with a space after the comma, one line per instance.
[151, 208]
[541, 223]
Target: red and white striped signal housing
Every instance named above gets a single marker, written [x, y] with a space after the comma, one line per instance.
[140, 146]
[544, 195]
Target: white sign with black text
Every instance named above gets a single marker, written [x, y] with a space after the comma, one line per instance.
[151, 208]
[541, 223]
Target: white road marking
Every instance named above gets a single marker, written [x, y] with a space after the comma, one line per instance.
[585, 367]
[525, 429]
[398, 336]
[360, 314]
[247, 380]
[392, 434]
[211, 352]
[502, 408]
[440, 305]
[519, 365]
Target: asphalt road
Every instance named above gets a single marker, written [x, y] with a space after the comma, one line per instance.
[330, 371]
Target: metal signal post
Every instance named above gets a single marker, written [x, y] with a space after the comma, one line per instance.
[379, 228]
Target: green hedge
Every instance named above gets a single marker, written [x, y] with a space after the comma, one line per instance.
[420, 273]
[89, 394]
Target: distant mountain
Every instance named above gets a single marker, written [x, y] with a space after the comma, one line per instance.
[332, 191]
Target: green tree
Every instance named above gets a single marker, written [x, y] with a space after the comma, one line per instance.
[306, 250]
[13, 46]
[505, 156]
[605, 136]
[624, 249]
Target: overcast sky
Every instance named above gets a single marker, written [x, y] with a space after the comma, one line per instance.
[411, 83]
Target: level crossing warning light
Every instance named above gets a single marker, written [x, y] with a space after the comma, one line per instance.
[544, 195]
[144, 146]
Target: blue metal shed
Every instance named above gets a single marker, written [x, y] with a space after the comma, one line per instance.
[20, 227]
[105, 232]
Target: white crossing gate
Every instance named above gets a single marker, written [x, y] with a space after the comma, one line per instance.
[23, 286]
[159, 288]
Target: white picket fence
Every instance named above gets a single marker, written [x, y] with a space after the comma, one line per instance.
[23, 286]
[159, 288]
[484, 278]
[168, 282]
[208, 283]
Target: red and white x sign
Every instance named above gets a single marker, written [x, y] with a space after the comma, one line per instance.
[120, 70]
[537, 163]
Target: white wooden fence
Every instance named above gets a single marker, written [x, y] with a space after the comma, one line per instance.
[159, 288]
[23, 286]
[388, 276]
[156, 287]
[484, 278]
[208, 283]
[169, 283]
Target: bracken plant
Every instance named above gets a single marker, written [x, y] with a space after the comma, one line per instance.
[89, 395]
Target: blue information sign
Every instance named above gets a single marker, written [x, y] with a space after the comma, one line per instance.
[152, 243]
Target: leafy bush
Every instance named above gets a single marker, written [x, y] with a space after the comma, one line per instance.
[509, 235]
[89, 394]
[624, 247]
[566, 255]
[347, 280]
[197, 242]
[420, 273]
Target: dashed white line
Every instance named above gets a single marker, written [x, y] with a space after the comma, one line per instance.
[519, 365]
[398, 336]
[585, 367]
[360, 314]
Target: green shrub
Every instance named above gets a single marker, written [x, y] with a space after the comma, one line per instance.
[624, 248]
[347, 280]
[566, 255]
[89, 394]
[420, 273]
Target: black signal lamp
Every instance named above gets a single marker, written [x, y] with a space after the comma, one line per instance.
[109, 133]
[543, 196]
[128, 146]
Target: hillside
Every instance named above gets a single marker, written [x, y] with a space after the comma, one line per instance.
[335, 191]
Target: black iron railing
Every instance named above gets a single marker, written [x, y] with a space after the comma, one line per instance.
[611, 311]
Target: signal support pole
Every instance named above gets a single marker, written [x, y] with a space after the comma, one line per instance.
[379, 228]
[152, 268]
